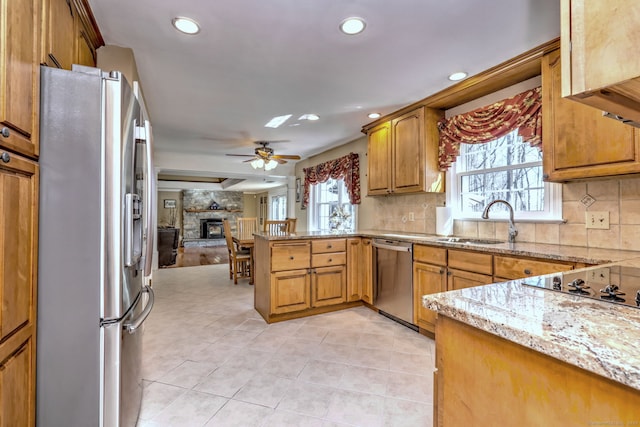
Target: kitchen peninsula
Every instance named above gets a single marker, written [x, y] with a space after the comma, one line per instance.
[513, 354]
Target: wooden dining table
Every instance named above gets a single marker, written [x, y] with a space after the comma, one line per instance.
[246, 240]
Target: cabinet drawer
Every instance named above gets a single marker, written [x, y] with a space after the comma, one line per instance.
[517, 268]
[290, 256]
[478, 262]
[328, 245]
[326, 260]
[430, 255]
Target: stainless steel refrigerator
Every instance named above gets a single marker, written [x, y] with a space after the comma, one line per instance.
[95, 248]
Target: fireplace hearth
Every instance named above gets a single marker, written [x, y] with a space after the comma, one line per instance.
[211, 228]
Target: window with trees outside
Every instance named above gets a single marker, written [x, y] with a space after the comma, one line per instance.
[329, 207]
[507, 169]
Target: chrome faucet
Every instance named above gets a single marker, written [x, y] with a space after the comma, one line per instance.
[512, 226]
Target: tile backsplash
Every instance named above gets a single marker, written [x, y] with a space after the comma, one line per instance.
[619, 197]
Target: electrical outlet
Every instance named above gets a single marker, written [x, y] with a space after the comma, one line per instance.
[598, 220]
[411, 217]
[599, 276]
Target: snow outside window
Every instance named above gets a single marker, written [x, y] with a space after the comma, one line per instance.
[507, 169]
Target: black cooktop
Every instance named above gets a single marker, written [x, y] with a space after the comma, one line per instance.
[614, 284]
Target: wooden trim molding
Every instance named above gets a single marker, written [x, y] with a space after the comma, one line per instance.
[90, 25]
[515, 70]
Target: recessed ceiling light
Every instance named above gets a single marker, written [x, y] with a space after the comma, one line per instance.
[277, 121]
[374, 115]
[186, 25]
[457, 76]
[353, 25]
[309, 117]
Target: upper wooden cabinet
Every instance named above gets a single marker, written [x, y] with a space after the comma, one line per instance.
[599, 42]
[20, 71]
[59, 41]
[70, 34]
[403, 154]
[578, 141]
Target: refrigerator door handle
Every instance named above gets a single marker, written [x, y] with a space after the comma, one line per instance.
[133, 325]
[151, 199]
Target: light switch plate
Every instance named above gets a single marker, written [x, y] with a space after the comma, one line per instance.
[597, 219]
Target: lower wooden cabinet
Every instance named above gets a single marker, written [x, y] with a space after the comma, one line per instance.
[485, 380]
[328, 285]
[366, 277]
[290, 291]
[458, 279]
[18, 246]
[354, 270]
[427, 279]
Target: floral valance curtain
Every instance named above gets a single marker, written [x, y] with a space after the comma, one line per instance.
[523, 111]
[347, 168]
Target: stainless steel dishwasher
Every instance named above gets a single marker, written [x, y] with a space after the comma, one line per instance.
[393, 280]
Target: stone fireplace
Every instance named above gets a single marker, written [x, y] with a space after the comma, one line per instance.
[202, 225]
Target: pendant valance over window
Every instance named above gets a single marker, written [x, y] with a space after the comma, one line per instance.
[347, 168]
[522, 112]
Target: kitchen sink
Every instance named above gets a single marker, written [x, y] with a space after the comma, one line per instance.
[469, 240]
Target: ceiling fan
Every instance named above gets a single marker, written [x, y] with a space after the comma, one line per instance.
[263, 156]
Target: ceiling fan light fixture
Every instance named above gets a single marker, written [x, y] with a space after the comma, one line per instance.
[185, 25]
[374, 115]
[257, 164]
[270, 164]
[353, 25]
[457, 76]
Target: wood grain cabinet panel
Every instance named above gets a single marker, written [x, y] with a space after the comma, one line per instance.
[379, 159]
[430, 254]
[458, 279]
[427, 279]
[517, 268]
[17, 386]
[599, 42]
[20, 71]
[579, 142]
[328, 285]
[354, 268]
[485, 380]
[477, 262]
[60, 29]
[328, 245]
[367, 271]
[290, 256]
[290, 291]
[403, 154]
[328, 259]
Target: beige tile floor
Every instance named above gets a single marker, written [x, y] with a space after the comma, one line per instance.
[211, 360]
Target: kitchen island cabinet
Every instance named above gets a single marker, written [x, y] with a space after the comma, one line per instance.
[549, 358]
[301, 277]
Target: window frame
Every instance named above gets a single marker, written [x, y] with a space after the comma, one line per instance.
[313, 210]
[552, 197]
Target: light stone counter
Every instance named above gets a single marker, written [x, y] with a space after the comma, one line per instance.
[552, 252]
[597, 336]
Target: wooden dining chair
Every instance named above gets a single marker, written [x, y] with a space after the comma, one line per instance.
[246, 226]
[276, 226]
[239, 261]
[292, 224]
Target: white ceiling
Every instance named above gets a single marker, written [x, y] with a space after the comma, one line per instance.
[212, 93]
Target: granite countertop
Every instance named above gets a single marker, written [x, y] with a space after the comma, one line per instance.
[594, 335]
[537, 250]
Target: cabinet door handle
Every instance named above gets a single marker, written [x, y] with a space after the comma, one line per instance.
[291, 258]
[5, 132]
[441, 270]
[5, 157]
[448, 273]
[330, 260]
[527, 271]
[329, 246]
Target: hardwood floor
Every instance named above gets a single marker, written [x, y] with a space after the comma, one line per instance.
[195, 256]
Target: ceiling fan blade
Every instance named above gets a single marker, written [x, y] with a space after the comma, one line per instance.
[269, 141]
[285, 156]
[280, 161]
[240, 155]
